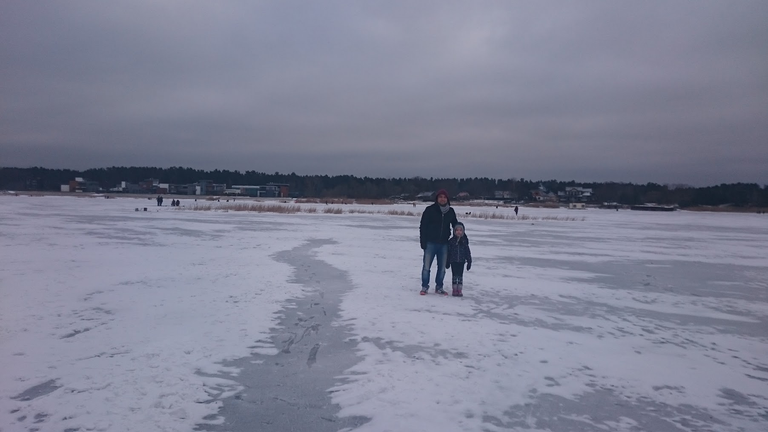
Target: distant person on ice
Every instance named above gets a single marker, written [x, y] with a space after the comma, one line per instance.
[437, 221]
[458, 254]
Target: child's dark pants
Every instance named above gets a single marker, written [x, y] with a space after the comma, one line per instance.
[457, 272]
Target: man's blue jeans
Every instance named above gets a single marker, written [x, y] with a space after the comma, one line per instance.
[430, 252]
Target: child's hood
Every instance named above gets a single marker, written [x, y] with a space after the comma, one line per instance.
[459, 224]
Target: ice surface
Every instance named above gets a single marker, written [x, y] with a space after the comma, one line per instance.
[117, 320]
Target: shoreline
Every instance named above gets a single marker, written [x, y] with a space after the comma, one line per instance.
[337, 201]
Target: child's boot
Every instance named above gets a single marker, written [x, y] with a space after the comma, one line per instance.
[459, 287]
[455, 290]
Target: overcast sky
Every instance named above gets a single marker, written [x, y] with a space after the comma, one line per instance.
[639, 91]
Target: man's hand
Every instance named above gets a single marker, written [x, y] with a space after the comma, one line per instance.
[469, 265]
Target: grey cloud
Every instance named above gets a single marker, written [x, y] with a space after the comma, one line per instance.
[647, 91]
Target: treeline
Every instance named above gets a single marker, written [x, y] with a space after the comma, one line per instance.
[346, 186]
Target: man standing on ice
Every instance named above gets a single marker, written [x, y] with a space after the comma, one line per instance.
[435, 229]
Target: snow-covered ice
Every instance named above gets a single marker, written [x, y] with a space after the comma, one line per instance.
[117, 320]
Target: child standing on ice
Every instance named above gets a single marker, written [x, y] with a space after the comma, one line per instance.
[458, 254]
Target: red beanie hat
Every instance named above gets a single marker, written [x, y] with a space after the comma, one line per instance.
[441, 192]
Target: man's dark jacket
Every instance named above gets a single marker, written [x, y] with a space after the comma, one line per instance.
[435, 226]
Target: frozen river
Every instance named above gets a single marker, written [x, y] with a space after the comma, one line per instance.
[178, 320]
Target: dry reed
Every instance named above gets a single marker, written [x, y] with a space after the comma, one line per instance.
[251, 207]
[293, 209]
[400, 213]
[324, 201]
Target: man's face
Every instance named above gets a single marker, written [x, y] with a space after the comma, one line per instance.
[442, 200]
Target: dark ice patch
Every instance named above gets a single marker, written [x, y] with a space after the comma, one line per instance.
[37, 391]
[312, 359]
[74, 333]
[601, 410]
[291, 390]
[756, 377]
[675, 389]
[737, 399]
[40, 417]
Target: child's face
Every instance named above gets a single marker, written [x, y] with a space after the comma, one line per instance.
[458, 231]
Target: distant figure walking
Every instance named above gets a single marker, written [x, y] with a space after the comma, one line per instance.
[435, 229]
[159, 200]
[458, 254]
[515, 210]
